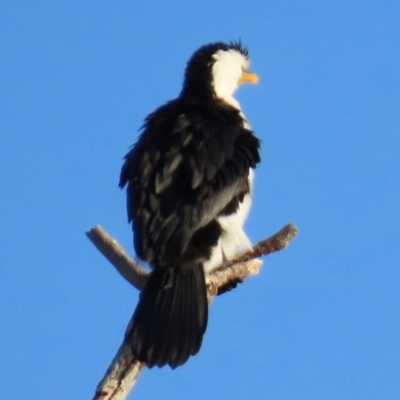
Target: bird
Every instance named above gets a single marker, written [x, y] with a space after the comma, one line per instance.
[188, 182]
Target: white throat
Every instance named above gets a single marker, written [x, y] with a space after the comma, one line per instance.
[226, 72]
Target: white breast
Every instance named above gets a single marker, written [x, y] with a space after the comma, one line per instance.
[234, 239]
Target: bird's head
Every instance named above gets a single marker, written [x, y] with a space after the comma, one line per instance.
[216, 70]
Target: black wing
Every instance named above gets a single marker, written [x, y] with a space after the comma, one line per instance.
[186, 167]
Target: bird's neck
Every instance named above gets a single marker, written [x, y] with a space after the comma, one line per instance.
[208, 98]
[229, 99]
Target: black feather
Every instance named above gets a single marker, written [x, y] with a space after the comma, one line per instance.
[171, 317]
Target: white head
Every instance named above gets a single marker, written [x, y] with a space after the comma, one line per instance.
[228, 72]
[216, 70]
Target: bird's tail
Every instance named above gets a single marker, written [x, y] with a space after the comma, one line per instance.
[171, 317]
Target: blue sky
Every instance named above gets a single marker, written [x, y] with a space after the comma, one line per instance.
[322, 320]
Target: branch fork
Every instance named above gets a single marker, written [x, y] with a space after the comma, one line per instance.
[124, 370]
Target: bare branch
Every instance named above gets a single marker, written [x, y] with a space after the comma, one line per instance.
[124, 369]
[276, 242]
[234, 273]
[117, 256]
[120, 377]
[137, 276]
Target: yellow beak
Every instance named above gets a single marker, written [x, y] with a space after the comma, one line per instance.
[248, 77]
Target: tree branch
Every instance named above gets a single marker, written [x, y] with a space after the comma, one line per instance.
[118, 257]
[124, 369]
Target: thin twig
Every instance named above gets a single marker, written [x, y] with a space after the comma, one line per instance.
[117, 256]
[274, 243]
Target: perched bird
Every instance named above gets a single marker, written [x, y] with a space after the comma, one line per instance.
[189, 181]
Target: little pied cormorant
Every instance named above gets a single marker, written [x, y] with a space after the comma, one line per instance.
[189, 180]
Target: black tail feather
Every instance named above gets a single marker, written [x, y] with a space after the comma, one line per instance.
[171, 317]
